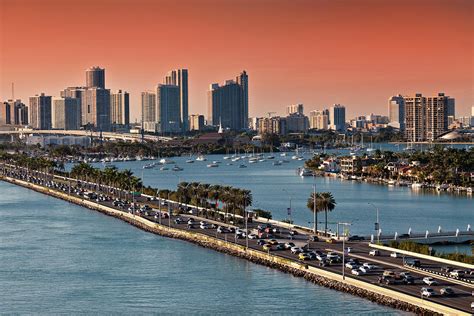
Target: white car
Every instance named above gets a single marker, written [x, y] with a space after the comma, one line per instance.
[357, 272]
[369, 265]
[296, 250]
[352, 265]
[204, 226]
[394, 255]
[456, 273]
[253, 236]
[430, 281]
[364, 269]
[427, 292]
[374, 253]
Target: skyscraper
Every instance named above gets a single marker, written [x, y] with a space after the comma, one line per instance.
[40, 112]
[148, 106]
[179, 77]
[295, 109]
[14, 112]
[120, 108]
[337, 117]
[228, 104]
[95, 109]
[5, 113]
[95, 77]
[20, 114]
[396, 112]
[426, 117]
[168, 114]
[318, 119]
[66, 113]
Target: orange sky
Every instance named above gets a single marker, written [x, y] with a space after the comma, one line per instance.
[316, 52]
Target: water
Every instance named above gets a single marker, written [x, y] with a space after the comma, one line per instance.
[464, 249]
[56, 257]
[273, 186]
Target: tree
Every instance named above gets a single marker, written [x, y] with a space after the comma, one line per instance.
[325, 202]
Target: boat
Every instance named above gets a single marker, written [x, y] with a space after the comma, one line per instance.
[164, 168]
[416, 185]
[253, 160]
[201, 158]
[176, 168]
[226, 157]
[261, 160]
[391, 182]
[303, 172]
[149, 166]
[189, 161]
[283, 154]
[242, 166]
[212, 165]
[236, 159]
[165, 161]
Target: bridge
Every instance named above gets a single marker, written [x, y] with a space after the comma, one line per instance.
[429, 238]
[104, 135]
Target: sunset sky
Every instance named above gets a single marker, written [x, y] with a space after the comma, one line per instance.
[315, 52]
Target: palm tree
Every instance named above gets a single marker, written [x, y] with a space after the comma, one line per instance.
[314, 208]
[325, 202]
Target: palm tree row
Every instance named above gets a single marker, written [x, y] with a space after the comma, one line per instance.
[325, 202]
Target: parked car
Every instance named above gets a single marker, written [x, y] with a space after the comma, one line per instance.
[430, 281]
[374, 253]
[427, 292]
[446, 291]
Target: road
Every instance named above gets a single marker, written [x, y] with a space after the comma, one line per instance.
[463, 292]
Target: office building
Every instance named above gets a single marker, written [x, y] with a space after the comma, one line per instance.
[253, 123]
[295, 109]
[318, 119]
[196, 122]
[120, 108]
[297, 123]
[450, 107]
[40, 112]
[396, 112]
[20, 114]
[66, 113]
[168, 113]
[228, 104]
[426, 117]
[5, 113]
[95, 110]
[272, 125]
[95, 77]
[337, 117]
[179, 77]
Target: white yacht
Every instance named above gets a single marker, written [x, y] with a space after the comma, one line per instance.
[201, 158]
[165, 161]
[212, 165]
[303, 172]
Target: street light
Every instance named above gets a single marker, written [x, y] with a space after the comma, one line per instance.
[344, 248]
[377, 223]
[289, 209]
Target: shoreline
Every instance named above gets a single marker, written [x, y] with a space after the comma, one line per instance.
[374, 293]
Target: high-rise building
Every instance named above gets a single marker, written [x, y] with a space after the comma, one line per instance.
[337, 117]
[196, 122]
[297, 123]
[148, 107]
[450, 107]
[40, 112]
[396, 112]
[426, 117]
[179, 77]
[95, 109]
[168, 114]
[120, 108]
[228, 104]
[20, 114]
[5, 113]
[295, 109]
[95, 77]
[66, 113]
[318, 119]
[272, 125]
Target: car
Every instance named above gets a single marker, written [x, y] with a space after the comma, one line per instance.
[204, 226]
[293, 233]
[252, 236]
[273, 242]
[304, 256]
[394, 255]
[408, 279]
[446, 269]
[374, 253]
[190, 221]
[323, 263]
[202, 223]
[456, 273]
[267, 247]
[411, 262]
[352, 265]
[312, 255]
[321, 257]
[355, 238]
[388, 273]
[357, 272]
[289, 245]
[178, 220]
[190, 226]
[404, 274]
[222, 230]
[313, 238]
[472, 306]
[330, 241]
[446, 291]
[369, 265]
[364, 269]
[280, 247]
[296, 250]
[261, 242]
[427, 292]
[430, 281]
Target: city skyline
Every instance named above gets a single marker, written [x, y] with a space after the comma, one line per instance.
[291, 58]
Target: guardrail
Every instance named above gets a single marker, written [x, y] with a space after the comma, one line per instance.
[446, 275]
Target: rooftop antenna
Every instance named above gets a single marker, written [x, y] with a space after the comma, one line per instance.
[13, 91]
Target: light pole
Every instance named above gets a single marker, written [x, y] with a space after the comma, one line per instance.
[377, 223]
[246, 227]
[289, 209]
[344, 248]
[315, 227]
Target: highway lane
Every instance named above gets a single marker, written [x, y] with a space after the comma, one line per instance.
[461, 300]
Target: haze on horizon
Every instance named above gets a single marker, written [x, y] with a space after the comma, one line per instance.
[315, 52]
